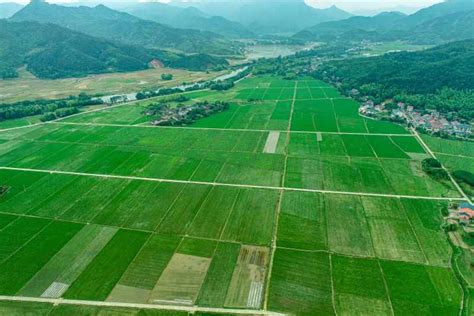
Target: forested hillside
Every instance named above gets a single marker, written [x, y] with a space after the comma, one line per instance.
[50, 51]
[414, 73]
[112, 25]
[447, 21]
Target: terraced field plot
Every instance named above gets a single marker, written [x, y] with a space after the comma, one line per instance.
[242, 211]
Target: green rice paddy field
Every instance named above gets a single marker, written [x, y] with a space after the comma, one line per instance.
[289, 202]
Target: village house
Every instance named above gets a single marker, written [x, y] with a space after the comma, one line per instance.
[465, 213]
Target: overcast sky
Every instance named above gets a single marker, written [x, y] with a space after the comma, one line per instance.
[352, 5]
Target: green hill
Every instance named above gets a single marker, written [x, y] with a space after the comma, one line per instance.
[124, 28]
[415, 72]
[50, 51]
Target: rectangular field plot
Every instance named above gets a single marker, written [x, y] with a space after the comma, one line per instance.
[181, 280]
[212, 217]
[347, 226]
[100, 276]
[246, 288]
[314, 144]
[145, 270]
[273, 115]
[57, 275]
[421, 290]
[426, 218]
[359, 287]
[21, 266]
[219, 275]
[6, 219]
[395, 239]
[314, 115]
[18, 233]
[301, 281]
[372, 175]
[302, 221]
[253, 217]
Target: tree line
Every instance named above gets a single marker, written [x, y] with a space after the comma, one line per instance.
[48, 108]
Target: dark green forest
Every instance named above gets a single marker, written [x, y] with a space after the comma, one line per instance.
[120, 27]
[52, 52]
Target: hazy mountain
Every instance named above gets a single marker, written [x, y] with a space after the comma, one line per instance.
[187, 18]
[8, 9]
[264, 17]
[438, 10]
[373, 12]
[101, 21]
[361, 24]
[51, 51]
[432, 25]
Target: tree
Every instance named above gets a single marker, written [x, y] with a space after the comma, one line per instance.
[167, 77]
[433, 168]
[50, 116]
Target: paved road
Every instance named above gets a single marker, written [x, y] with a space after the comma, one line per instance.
[226, 129]
[233, 185]
[192, 309]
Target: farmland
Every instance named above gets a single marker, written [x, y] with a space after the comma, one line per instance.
[288, 202]
[29, 87]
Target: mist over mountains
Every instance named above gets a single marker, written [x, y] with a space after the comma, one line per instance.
[450, 20]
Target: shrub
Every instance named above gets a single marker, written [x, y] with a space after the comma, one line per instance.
[433, 168]
[464, 176]
[166, 76]
[50, 116]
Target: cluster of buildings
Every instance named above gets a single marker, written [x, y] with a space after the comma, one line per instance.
[432, 122]
[181, 115]
[171, 116]
[464, 214]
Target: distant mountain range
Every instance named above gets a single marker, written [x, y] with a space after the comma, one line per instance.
[448, 21]
[120, 27]
[8, 9]
[187, 18]
[268, 17]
